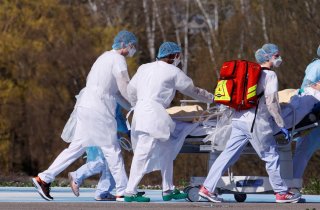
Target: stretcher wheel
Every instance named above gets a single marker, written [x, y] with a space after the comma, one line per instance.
[193, 194]
[240, 197]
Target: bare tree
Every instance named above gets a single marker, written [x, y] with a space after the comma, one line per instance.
[186, 38]
[207, 38]
[263, 22]
[209, 23]
[158, 17]
[174, 18]
[150, 29]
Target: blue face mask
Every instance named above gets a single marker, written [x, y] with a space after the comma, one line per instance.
[318, 51]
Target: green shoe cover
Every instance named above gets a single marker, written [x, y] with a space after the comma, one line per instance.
[167, 197]
[136, 198]
[176, 194]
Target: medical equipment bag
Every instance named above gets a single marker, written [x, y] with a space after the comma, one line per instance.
[237, 85]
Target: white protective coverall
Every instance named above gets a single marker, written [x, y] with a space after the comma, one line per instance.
[261, 138]
[92, 122]
[151, 90]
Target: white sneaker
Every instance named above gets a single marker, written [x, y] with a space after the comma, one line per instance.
[212, 197]
[74, 186]
[120, 198]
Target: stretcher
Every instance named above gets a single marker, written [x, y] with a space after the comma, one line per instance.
[199, 141]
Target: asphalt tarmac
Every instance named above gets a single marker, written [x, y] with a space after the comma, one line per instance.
[25, 198]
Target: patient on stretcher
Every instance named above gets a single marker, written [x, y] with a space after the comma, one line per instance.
[299, 106]
[295, 110]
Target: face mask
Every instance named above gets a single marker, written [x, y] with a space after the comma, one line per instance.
[176, 61]
[277, 62]
[131, 51]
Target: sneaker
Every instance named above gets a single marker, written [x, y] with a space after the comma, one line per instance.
[287, 198]
[74, 186]
[173, 194]
[212, 197]
[136, 197]
[106, 197]
[42, 188]
[295, 191]
[120, 198]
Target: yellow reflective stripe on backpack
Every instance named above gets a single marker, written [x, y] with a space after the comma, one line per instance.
[221, 91]
[252, 91]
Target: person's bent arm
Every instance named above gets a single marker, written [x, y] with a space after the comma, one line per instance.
[122, 81]
[198, 94]
[272, 102]
[132, 94]
[122, 102]
[185, 85]
[272, 99]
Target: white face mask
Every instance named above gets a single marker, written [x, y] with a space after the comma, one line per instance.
[131, 51]
[176, 61]
[277, 62]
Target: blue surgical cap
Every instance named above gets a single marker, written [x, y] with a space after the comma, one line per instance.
[123, 39]
[265, 53]
[318, 51]
[168, 48]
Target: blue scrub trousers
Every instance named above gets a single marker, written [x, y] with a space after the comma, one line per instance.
[106, 183]
[240, 136]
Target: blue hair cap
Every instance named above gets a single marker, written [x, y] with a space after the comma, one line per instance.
[168, 48]
[123, 39]
[265, 53]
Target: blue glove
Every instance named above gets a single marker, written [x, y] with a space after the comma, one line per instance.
[285, 132]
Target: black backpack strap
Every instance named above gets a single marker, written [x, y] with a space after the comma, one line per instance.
[255, 112]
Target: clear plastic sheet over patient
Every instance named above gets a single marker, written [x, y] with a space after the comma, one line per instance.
[223, 128]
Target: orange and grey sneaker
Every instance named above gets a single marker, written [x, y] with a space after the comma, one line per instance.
[43, 188]
[287, 197]
[212, 197]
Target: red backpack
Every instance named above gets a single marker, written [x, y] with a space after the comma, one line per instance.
[237, 85]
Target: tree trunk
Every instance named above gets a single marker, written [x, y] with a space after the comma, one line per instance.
[156, 9]
[263, 21]
[150, 28]
[209, 23]
[186, 39]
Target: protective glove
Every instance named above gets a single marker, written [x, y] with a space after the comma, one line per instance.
[205, 94]
[285, 132]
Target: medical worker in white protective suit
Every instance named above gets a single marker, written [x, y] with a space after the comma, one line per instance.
[261, 138]
[96, 164]
[92, 122]
[308, 144]
[151, 91]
